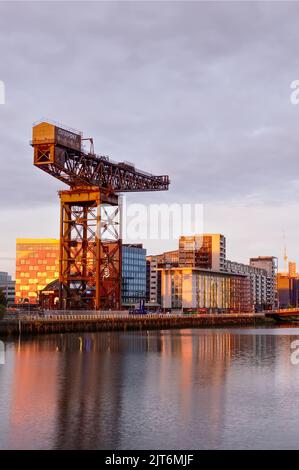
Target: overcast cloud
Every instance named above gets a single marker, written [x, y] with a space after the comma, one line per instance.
[199, 91]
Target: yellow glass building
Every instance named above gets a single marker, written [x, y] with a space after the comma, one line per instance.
[37, 264]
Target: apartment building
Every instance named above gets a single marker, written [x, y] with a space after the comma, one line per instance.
[153, 281]
[206, 251]
[269, 264]
[153, 274]
[258, 283]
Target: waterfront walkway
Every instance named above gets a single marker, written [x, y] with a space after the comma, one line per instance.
[100, 321]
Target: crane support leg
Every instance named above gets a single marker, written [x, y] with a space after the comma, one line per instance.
[90, 249]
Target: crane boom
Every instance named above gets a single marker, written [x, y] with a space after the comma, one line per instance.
[59, 152]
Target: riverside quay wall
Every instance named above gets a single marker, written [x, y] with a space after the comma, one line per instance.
[35, 324]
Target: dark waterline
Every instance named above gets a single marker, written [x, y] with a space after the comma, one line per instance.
[178, 389]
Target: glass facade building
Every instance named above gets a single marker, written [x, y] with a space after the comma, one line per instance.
[133, 274]
[210, 291]
[37, 264]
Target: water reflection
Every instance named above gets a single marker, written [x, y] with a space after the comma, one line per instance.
[172, 389]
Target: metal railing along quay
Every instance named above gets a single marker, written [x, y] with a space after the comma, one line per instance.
[71, 316]
[34, 324]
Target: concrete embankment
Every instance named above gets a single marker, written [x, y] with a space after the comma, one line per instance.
[32, 325]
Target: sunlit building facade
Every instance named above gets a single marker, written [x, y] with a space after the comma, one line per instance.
[205, 290]
[217, 283]
[205, 251]
[288, 290]
[37, 264]
[292, 269]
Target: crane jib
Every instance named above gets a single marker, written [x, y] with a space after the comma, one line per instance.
[60, 153]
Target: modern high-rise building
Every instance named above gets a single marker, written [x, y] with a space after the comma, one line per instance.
[37, 264]
[133, 274]
[7, 286]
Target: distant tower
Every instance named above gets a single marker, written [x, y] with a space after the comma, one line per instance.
[285, 256]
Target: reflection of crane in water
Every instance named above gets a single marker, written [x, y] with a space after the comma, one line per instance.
[94, 371]
[90, 391]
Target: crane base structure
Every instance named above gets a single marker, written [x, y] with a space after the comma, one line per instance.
[90, 249]
[90, 214]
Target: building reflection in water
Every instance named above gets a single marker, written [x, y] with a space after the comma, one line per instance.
[34, 395]
[122, 390]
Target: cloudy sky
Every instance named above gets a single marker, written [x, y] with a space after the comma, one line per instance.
[199, 91]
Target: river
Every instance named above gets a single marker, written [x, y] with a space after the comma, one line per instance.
[179, 389]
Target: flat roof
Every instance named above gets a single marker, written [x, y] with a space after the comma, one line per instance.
[36, 241]
[203, 271]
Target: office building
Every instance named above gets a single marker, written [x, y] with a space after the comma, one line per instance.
[7, 286]
[4, 277]
[37, 264]
[133, 274]
[204, 290]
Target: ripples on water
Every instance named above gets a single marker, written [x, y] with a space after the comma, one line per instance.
[183, 389]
